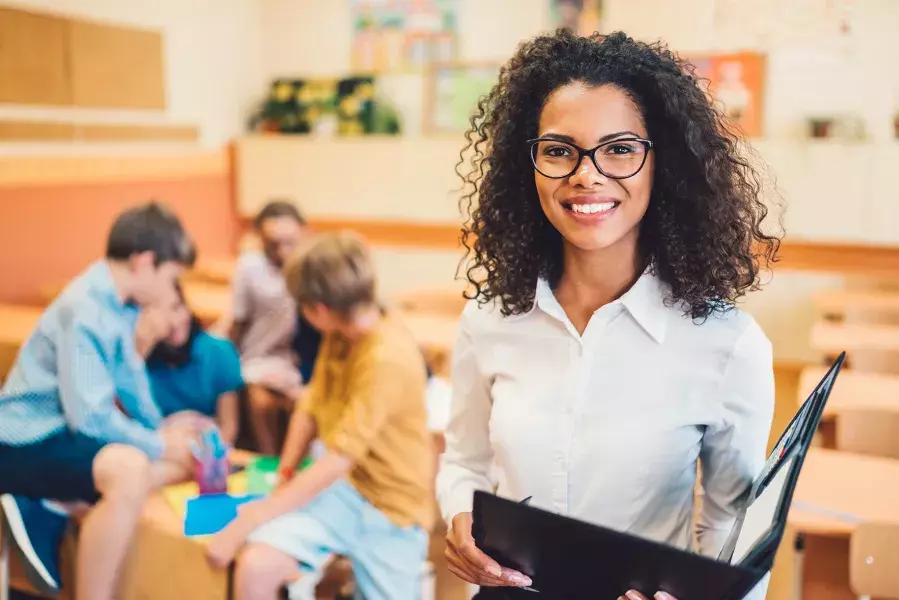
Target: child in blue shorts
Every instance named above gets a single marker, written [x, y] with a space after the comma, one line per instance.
[369, 497]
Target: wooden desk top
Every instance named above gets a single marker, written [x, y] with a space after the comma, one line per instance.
[214, 270]
[17, 322]
[833, 338]
[209, 301]
[869, 391]
[837, 490]
[433, 332]
[839, 302]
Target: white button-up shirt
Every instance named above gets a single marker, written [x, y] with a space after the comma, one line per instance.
[607, 426]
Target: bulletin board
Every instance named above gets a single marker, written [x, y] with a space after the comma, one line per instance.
[57, 61]
[453, 92]
[33, 58]
[115, 67]
[737, 81]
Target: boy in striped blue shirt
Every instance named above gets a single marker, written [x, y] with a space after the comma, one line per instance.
[77, 420]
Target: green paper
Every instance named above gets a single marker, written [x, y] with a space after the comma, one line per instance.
[262, 474]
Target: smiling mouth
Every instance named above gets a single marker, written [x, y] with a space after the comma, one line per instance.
[596, 208]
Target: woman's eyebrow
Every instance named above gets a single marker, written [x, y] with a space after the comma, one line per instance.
[570, 140]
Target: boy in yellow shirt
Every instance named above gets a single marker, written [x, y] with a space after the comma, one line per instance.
[369, 497]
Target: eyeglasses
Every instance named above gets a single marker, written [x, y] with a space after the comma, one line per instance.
[618, 159]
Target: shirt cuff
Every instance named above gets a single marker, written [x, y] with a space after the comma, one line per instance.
[460, 500]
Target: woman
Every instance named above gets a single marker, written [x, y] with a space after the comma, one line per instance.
[616, 224]
[194, 371]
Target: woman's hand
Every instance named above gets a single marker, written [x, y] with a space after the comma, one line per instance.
[632, 595]
[472, 565]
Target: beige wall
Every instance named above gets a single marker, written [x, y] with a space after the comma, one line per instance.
[834, 191]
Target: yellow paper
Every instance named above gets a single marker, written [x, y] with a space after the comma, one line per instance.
[178, 495]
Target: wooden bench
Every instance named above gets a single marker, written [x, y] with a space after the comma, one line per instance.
[16, 324]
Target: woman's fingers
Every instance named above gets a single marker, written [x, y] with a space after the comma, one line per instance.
[488, 571]
[635, 595]
[472, 573]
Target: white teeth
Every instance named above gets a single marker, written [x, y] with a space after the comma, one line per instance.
[590, 209]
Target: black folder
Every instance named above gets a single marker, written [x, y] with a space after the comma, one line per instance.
[568, 558]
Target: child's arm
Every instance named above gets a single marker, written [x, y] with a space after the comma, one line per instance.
[300, 433]
[228, 416]
[87, 393]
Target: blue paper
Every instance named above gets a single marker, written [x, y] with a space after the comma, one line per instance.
[211, 513]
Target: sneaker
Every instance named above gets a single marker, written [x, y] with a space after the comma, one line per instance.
[37, 533]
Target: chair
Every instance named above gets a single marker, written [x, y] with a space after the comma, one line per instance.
[868, 431]
[873, 556]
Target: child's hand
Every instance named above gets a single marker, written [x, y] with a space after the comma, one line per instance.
[224, 545]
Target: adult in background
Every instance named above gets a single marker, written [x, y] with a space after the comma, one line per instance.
[265, 318]
[618, 220]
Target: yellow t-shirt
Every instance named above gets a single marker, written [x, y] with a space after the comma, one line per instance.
[368, 402]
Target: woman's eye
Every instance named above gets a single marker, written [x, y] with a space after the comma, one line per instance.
[557, 151]
[623, 148]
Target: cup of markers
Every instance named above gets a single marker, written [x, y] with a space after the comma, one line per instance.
[211, 464]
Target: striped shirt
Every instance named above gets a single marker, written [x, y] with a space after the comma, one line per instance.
[77, 362]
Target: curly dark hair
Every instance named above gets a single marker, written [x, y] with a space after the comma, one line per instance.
[702, 233]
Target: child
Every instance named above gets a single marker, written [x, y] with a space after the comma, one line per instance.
[62, 435]
[264, 317]
[369, 497]
[191, 370]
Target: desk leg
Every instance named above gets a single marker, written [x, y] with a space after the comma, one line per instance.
[798, 565]
[4, 560]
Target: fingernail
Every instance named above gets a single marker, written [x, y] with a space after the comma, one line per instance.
[521, 580]
[495, 571]
[634, 595]
[663, 596]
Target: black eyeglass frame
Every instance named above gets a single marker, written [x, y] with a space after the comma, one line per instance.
[647, 144]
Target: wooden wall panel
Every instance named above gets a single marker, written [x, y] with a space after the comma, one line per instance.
[35, 131]
[33, 63]
[40, 131]
[115, 67]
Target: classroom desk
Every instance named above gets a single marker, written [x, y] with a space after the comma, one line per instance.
[213, 270]
[833, 338]
[208, 301]
[869, 391]
[436, 334]
[837, 303]
[16, 324]
[837, 490]
[445, 300]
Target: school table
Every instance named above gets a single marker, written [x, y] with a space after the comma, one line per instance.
[833, 338]
[16, 324]
[836, 492]
[219, 270]
[854, 390]
[837, 303]
[208, 301]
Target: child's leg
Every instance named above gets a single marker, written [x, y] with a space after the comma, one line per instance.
[262, 571]
[122, 477]
[264, 407]
[309, 537]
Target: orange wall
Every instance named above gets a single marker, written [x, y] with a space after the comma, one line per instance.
[50, 230]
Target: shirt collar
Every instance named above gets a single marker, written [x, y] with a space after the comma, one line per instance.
[102, 286]
[645, 302]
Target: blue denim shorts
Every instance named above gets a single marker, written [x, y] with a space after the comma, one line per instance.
[387, 559]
